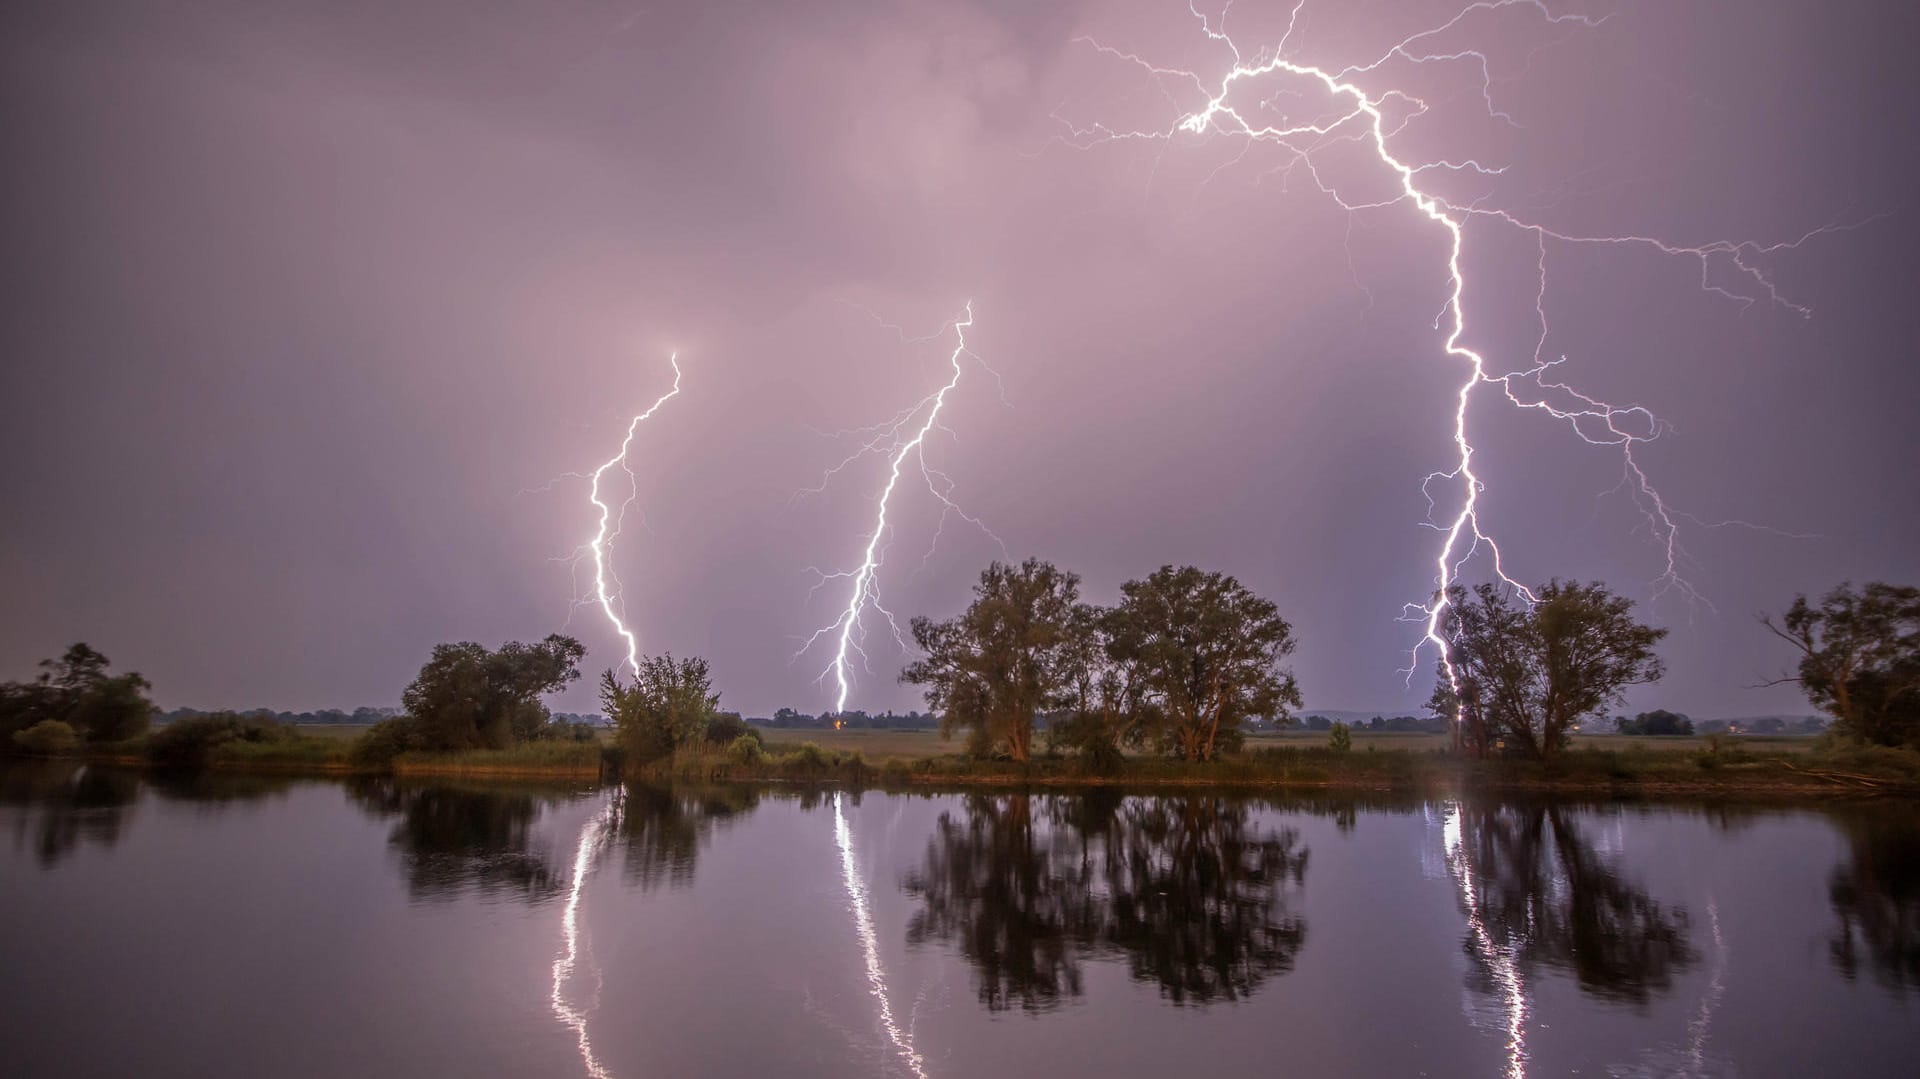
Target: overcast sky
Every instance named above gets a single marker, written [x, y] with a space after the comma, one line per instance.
[303, 303]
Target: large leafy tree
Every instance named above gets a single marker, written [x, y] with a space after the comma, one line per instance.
[1530, 671]
[1205, 652]
[1009, 657]
[467, 697]
[77, 690]
[1860, 659]
[669, 704]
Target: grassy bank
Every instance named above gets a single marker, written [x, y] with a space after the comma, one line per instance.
[1607, 766]
[1689, 769]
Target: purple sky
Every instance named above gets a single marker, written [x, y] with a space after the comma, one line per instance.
[300, 298]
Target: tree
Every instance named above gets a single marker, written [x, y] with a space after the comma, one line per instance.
[466, 697]
[1860, 659]
[670, 704]
[1657, 722]
[1531, 671]
[77, 690]
[1009, 657]
[1206, 651]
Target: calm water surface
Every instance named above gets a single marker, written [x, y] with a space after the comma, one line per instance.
[257, 927]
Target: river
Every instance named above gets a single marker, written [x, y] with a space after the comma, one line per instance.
[249, 926]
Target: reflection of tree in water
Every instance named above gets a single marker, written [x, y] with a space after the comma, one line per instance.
[455, 839]
[662, 829]
[1187, 890]
[1196, 896]
[65, 804]
[1876, 896]
[1545, 897]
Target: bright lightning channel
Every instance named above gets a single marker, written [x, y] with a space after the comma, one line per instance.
[610, 525]
[901, 438]
[1361, 118]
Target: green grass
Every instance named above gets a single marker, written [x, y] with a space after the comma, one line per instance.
[532, 759]
[877, 745]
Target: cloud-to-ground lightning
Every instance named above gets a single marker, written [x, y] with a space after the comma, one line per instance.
[609, 597]
[900, 439]
[1359, 113]
[902, 1038]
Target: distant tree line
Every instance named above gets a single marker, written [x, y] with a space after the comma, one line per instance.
[1394, 724]
[788, 719]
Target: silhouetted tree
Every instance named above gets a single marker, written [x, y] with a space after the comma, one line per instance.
[1207, 653]
[77, 690]
[467, 697]
[1008, 658]
[1860, 659]
[1531, 671]
[1657, 722]
[670, 704]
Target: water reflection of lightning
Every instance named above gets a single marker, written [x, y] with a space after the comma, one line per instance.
[870, 943]
[602, 539]
[900, 439]
[1359, 116]
[574, 1018]
[1499, 959]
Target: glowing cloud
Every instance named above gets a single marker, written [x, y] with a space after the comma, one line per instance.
[1358, 113]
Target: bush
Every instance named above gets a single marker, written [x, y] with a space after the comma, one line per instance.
[745, 749]
[383, 742]
[727, 728]
[808, 756]
[895, 770]
[47, 738]
[1339, 738]
[189, 743]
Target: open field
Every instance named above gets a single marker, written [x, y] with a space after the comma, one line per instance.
[876, 745]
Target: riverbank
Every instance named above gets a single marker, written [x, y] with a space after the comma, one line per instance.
[1707, 771]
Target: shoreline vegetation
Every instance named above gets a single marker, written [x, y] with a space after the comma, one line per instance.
[1615, 767]
[1173, 687]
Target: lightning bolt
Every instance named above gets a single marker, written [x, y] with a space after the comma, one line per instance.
[610, 525]
[900, 438]
[1359, 116]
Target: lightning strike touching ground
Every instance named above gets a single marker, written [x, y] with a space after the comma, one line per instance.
[603, 538]
[1361, 114]
[901, 438]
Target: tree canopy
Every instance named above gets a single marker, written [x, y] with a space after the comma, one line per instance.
[670, 704]
[1529, 672]
[1860, 659]
[1009, 657]
[467, 697]
[77, 691]
[1205, 652]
